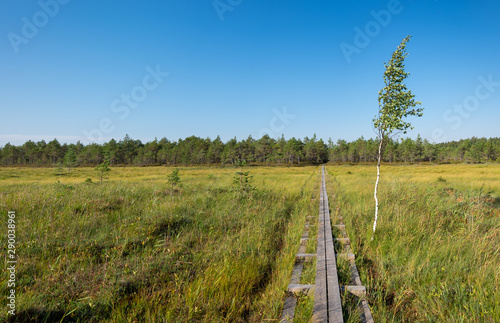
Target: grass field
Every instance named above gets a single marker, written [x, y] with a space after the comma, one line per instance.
[135, 249]
[436, 253]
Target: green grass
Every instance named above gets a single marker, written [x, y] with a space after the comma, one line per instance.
[436, 253]
[133, 249]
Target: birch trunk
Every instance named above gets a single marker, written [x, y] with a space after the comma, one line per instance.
[376, 185]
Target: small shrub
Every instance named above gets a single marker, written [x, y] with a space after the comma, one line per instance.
[242, 182]
[441, 179]
[103, 169]
[174, 179]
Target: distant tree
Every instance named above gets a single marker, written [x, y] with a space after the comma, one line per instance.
[390, 151]
[315, 151]
[55, 151]
[407, 150]
[430, 151]
[245, 149]
[129, 148]
[174, 179]
[10, 154]
[214, 153]
[30, 153]
[342, 150]
[264, 148]
[396, 103]
[293, 150]
[92, 154]
[491, 152]
[475, 152]
[419, 149]
[353, 152]
[70, 158]
[103, 169]
[111, 149]
[229, 151]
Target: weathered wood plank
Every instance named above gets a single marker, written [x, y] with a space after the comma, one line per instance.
[307, 257]
[359, 291]
[366, 317]
[299, 288]
[334, 300]
[297, 273]
[320, 310]
[288, 309]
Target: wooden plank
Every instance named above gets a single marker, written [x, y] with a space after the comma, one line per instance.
[320, 310]
[354, 272]
[299, 288]
[307, 257]
[366, 317]
[334, 300]
[297, 273]
[289, 309]
[359, 291]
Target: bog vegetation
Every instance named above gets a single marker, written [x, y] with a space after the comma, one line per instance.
[218, 244]
[436, 253]
[155, 244]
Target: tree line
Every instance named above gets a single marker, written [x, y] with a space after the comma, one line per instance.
[264, 151]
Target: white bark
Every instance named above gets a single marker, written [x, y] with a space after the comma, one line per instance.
[376, 186]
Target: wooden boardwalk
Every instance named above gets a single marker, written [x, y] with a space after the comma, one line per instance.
[327, 301]
[327, 291]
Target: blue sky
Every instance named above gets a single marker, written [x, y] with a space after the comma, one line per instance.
[94, 70]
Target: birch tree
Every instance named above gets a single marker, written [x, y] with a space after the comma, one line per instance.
[396, 103]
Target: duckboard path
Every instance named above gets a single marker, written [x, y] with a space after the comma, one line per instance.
[327, 290]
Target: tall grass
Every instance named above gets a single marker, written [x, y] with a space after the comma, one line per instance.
[436, 253]
[134, 249]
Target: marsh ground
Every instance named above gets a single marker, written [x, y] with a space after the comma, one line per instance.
[137, 249]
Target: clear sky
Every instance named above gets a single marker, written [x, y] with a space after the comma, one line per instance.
[90, 70]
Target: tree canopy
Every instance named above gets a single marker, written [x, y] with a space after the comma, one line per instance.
[293, 151]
